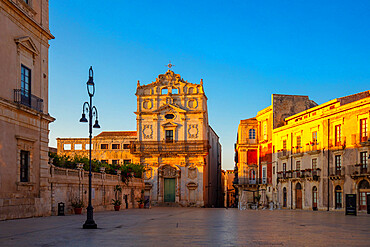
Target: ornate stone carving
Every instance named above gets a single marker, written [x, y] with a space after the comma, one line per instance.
[147, 131]
[192, 172]
[148, 173]
[147, 104]
[168, 171]
[193, 131]
[193, 103]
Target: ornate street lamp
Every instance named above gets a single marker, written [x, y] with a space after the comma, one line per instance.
[89, 108]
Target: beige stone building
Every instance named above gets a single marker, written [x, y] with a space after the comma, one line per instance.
[322, 154]
[24, 117]
[181, 152]
[111, 147]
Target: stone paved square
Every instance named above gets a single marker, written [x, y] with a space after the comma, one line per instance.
[191, 227]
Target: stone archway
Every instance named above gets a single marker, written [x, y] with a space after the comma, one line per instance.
[363, 191]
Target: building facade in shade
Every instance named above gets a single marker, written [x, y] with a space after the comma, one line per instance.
[24, 117]
[322, 154]
[111, 147]
[181, 152]
[254, 148]
[229, 188]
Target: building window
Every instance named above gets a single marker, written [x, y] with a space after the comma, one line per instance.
[314, 164]
[87, 146]
[314, 137]
[284, 167]
[363, 130]
[164, 91]
[126, 162]
[298, 165]
[78, 146]
[338, 164]
[115, 162]
[299, 142]
[175, 91]
[104, 161]
[169, 135]
[338, 135]
[126, 146]
[273, 170]
[252, 134]
[103, 146]
[115, 146]
[363, 160]
[284, 144]
[67, 147]
[25, 85]
[25, 164]
[264, 175]
[27, 1]
[265, 131]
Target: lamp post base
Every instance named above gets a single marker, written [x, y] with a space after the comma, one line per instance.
[90, 225]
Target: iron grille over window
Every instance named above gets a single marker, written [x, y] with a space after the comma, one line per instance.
[25, 163]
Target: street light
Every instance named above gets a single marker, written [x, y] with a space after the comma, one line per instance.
[89, 108]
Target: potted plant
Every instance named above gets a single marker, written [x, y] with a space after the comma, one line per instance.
[77, 205]
[117, 204]
[141, 203]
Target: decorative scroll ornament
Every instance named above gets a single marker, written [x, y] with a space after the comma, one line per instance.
[192, 172]
[148, 173]
[147, 131]
[193, 131]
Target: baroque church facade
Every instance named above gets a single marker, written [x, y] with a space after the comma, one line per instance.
[174, 141]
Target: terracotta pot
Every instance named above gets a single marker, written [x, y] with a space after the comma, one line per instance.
[78, 210]
[116, 208]
[141, 205]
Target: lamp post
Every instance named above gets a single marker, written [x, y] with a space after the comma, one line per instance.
[89, 108]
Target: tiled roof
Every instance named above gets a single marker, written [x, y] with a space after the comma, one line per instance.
[117, 133]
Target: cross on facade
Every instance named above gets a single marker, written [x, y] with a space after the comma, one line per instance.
[170, 65]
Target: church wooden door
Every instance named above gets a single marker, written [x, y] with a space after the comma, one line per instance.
[298, 202]
[169, 189]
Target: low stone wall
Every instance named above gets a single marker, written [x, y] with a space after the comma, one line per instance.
[67, 185]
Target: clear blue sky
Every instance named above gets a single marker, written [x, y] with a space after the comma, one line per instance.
[244, 50]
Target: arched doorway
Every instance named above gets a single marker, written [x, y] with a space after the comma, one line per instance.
[338, 197]
[314, 198]
[363, 191]
[298, 196]
[284, 198]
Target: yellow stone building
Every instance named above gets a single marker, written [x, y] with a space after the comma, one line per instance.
[322, 154]
[174, 141]
[111, 147]
[254, 149]
[24, 117]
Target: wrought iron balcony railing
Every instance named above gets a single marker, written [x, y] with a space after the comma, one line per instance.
[28, 100]
[361, 139]
[174, 147]
[337, 171]
[359, 170]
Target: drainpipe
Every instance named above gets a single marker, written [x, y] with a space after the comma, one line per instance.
[291, 170]
[328, 160]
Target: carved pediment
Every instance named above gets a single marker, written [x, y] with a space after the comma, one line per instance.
[169, 108]
[27, 44]
[169, 125]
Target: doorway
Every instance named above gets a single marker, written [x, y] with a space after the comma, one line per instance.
[169, 189]
[298, 194]
[284, 198]
[364, 190]
[314, 198]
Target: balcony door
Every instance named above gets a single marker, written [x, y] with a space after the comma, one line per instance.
[314, 198]
[169, 136]
[364, 190]
[25, 85]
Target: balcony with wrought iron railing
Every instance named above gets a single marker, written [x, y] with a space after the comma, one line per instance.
[297, 151]
[284, 175]
[361, 139]
[282, 154]
[312, 174]
[172, 147]
[28, 100]
[247, 181]
[337, 172]
[313, 148]
[359, 170]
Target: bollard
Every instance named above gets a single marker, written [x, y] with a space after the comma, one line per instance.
[61, 209]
